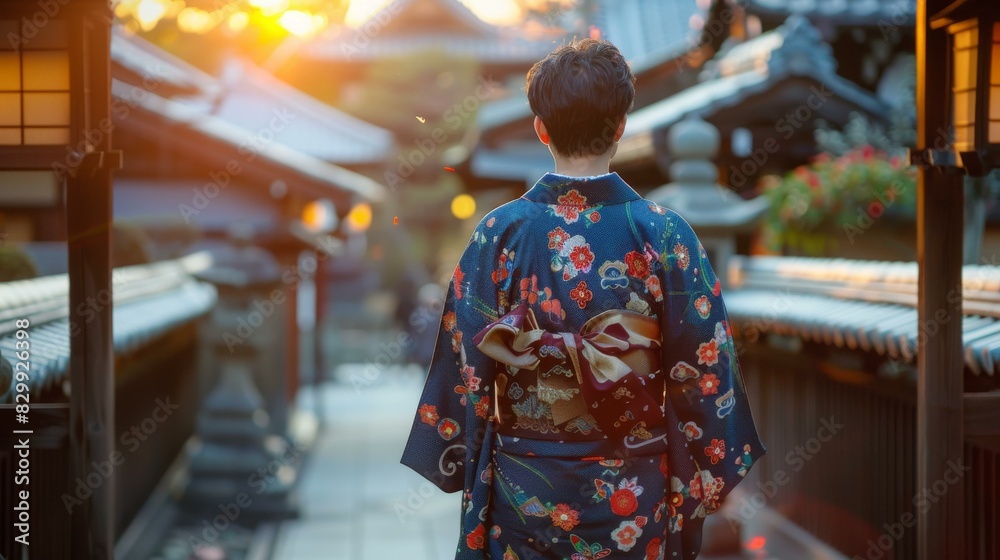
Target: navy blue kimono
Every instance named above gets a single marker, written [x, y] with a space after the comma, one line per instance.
[584, 393]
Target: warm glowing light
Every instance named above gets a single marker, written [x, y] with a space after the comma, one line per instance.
[270, 7]
[149, 13]
[124, 8]
[463, 206]
[756, 543]
[195, 20]
[319, 215]
[360, 217]
[301, 24]
[497, 12]
[238, 21]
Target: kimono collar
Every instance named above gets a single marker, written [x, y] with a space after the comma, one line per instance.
[603, 189]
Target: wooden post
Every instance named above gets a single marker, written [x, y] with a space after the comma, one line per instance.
[88, 230]
[939, 254]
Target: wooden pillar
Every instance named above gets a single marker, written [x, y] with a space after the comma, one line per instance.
[939, 254]
[91, 364]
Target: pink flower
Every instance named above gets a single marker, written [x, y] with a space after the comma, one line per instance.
[626, 535]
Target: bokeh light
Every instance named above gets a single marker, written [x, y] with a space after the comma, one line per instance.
[463, 206]
[360, 217]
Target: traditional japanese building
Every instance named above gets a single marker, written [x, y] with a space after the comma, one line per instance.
[664, 42]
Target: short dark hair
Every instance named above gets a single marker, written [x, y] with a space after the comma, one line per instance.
[581, 91]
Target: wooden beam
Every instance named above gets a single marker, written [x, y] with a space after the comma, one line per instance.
[940, 197]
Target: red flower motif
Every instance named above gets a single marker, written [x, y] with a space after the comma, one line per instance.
[638, 264]
[703, 307]
[557, 237]
[565, 517]
[717, 288]
[695, 487]
[708, 353]
[529, 289]
[449, 320]
[552, 306]
[709, 384]
[624, 502]
[429, 414]
[448, 429]
[477, 538]
[653, 549]
[582, 257]
[457, 282]
[653, 285]
[483, 407]
[456, 341]
[581, 295]
[500, 273]
[572, 198]
[569, 206]
[716, 451]
[676, 500]
[711, 489]
[595, 216]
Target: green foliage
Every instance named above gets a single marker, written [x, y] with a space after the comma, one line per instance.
[830, 192]
[15, 264]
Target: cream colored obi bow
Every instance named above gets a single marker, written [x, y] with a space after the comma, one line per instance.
[608, 347]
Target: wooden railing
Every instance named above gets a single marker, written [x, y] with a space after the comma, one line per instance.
[809, 369]
[156, 309]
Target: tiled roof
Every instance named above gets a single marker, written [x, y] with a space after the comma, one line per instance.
[645, 30]
[859, 305]
[791, 52]
[246, 97]
[250, 96]
[194, 117]
[845, 12]
[149, 300]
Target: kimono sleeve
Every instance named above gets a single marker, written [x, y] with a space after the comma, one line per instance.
[451, 420]
[714, 439]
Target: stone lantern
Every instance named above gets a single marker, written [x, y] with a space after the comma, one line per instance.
[713, 210]
[242, 452]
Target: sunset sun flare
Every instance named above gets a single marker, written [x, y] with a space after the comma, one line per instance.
[499, 12]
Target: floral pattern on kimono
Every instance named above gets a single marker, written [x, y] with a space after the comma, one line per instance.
[545, 470]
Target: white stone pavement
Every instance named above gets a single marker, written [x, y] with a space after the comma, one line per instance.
[352, 481]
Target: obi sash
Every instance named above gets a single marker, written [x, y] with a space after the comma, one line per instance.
[608, 370]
